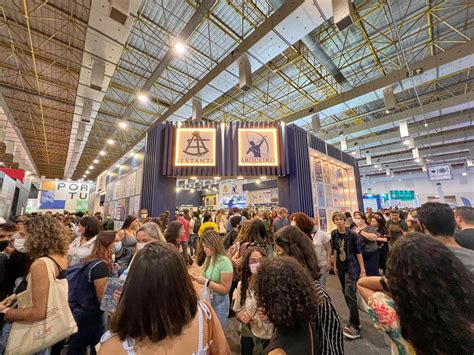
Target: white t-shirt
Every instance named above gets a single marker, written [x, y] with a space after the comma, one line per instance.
[77, 252]
[319, 239]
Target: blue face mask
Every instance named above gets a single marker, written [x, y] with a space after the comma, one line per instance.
[118, 246]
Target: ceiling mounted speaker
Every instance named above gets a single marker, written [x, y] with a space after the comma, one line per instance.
[389, 99]
[80, 131]
[316, 123]
[343, 13]
[344, 144]
[98, 72]
[197, 109]
[119, 10]
[77, 147]
[245, 73]
[86, 110]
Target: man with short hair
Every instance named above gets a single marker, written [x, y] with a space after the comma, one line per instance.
[465, 220]
[349, 267]
[281, 220]
[437, 220]
[396, 226]
[236, 213]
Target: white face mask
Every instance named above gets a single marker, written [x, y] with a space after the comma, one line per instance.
[140, 245]
[118, 246]
[19, 244]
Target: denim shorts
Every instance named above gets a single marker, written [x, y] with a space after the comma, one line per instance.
[221, 303]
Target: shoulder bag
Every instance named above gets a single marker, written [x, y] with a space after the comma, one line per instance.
[27, 338]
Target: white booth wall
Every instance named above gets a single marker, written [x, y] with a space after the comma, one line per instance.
[459, 186]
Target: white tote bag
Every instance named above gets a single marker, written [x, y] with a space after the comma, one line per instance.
[27, 338]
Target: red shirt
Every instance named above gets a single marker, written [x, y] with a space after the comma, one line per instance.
[186, 227]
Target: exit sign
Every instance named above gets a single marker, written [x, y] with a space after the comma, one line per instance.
[414, 72]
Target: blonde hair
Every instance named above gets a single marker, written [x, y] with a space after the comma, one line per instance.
[45, 236]
[213, 241]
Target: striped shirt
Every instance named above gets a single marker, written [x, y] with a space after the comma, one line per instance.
[330, 331]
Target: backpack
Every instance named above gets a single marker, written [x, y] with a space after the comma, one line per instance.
[81, 288]
[197, 225]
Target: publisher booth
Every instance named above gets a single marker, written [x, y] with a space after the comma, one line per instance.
[312, 177]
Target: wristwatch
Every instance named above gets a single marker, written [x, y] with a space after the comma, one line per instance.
[383, 282]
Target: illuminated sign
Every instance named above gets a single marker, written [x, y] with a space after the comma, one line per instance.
[258, 147]
[195, 146]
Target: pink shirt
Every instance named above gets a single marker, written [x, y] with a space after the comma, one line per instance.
[186, 227]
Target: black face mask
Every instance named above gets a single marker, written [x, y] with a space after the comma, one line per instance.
[4, 244]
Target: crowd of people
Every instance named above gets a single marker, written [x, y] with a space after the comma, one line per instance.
[170, 284]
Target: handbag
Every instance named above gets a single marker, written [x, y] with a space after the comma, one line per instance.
[205, 294]
[27, 338]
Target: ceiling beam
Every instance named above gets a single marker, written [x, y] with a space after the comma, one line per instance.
[395, 77]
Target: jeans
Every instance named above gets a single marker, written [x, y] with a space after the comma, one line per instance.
[91, 326]
[383, 256]
[220, 303]
[371, 262]
[192, 244]
[349, 287]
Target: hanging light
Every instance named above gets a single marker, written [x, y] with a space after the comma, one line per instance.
[387, 172]
[96, 161]
[180, 47]
[123, 124]
[368, 159]
[404, 129]
[415, 153]
[142, 97]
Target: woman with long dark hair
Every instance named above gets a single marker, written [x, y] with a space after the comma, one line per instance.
[174, 233]
[87, 283]
[378, 221]
[290, 241]
[425, 303]
[368, 240]
[255, 333]
[159, 311]
[126, 243]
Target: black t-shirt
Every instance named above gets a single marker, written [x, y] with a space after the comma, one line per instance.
[100, 271]
[396, 229]
[465, 238]
[344, 244]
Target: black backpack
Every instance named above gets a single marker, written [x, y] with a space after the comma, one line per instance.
[197, 225]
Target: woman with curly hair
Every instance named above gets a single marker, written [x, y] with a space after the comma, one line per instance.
[47, 242]
[290, 241]
[255, 333]
[424, 305]
[286, 295]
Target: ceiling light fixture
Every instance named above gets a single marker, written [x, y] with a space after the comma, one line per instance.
[91, 167]
[180, 47]
[240, 177]
[96, 161]
[142, 97]
[123, 124]
[217, 177]
[426, 124]
[464, 173]
[68, 180]
[102, 152]
[87, 172]
[110, 141]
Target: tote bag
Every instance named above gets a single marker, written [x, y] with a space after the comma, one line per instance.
[27, 338]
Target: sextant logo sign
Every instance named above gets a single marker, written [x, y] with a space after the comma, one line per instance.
[195, 147]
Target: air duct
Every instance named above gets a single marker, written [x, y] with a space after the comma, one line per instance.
[245, 73]
[316, 123]
[97, 75]
[119, 10]
[389, 99]
[86, 110]
[197, 109]
[343, 13]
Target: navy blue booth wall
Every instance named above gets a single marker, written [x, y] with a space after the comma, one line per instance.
[294, 171]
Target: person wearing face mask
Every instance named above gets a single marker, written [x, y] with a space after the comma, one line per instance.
[149, 232]
[368, 240]
[143, 215]
[6, 230]
[81, 247]
[255, 333]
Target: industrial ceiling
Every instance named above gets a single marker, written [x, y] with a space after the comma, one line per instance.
[83, 88]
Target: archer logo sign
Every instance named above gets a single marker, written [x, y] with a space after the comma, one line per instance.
[195, 146]
[258, 146]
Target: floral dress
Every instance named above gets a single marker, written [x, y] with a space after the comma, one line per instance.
[382, 311]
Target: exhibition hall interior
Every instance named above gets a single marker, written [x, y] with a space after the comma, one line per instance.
[236, 177]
